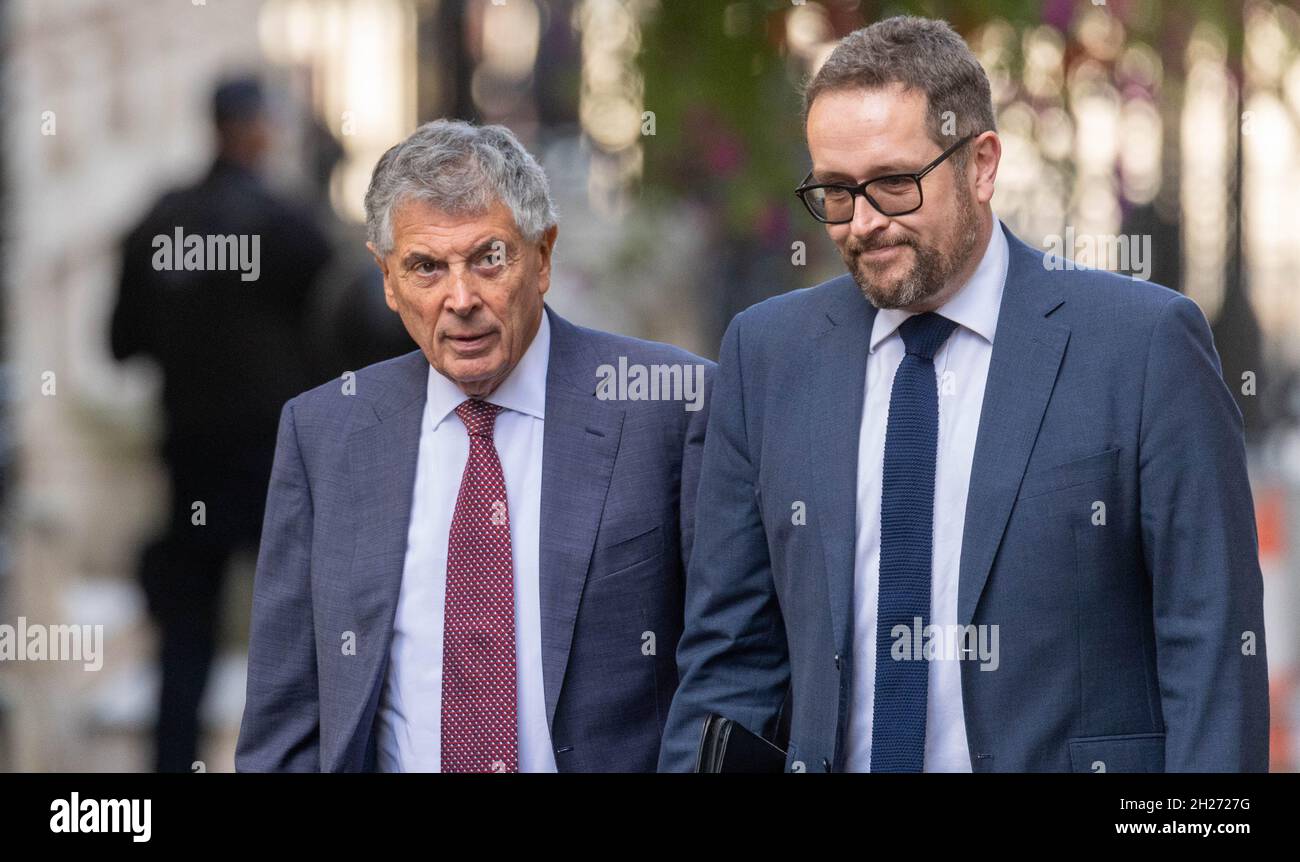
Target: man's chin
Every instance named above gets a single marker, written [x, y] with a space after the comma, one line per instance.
[474, 377]
[879, 295]
[898, 292]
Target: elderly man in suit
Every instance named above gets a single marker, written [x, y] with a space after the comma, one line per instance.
[972, 508]
[473, 555]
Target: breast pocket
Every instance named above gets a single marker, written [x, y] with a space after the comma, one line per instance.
[1080, 471]
[624, 554]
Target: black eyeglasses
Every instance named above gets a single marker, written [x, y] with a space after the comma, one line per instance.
[892, 195]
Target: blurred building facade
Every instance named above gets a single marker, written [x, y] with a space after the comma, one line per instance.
[108, 104]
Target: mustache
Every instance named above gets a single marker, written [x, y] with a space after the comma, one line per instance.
[855, 247]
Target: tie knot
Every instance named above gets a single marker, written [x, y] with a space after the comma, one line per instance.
[478, 416]
[924, 334]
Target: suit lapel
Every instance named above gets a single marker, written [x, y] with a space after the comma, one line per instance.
[1027, 353]
[579, 444]
[382, 457]
[833, 408]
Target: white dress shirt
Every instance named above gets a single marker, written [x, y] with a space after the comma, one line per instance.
[961, 367]
[409, 724]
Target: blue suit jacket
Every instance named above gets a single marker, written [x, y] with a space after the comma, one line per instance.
[1122, 647]
[617, 515]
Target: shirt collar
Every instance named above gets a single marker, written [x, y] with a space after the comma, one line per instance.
[975, 306]
[523, 390]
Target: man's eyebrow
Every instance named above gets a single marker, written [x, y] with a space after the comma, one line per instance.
[880, 171]
[487, 245]
[414, 258]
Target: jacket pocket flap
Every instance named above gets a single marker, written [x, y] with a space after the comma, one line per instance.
[1069, 474]
[625, 553]
[1133, 752]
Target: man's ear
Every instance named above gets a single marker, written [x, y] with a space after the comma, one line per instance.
[987, 153]
[379, 258]
[389, 298]
[545, 250]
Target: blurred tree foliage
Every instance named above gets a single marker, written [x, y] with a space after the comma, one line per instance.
[725, 93]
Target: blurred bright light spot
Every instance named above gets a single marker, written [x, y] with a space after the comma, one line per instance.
[511, 33]
[1017, 119]
[1098, 209]
[808, 30]
[1097, 135]
[1141, 136]
[1055, 133]
[361, 57]
[1271, 171]
[1209, 117]
[992, 42]
[609, 26]
[287, 29]
[1044, 51]
[1140, 65]
[611, 99]
[1207, 44]
[612, 121]
[1100, 32]
[992, 45]
[1266, 45]
[1291, 86]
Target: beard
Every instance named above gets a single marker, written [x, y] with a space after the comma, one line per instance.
[931, 270]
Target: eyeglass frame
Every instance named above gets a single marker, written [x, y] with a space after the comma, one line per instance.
[861, 188]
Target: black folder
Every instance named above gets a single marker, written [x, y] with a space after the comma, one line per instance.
[726, 746]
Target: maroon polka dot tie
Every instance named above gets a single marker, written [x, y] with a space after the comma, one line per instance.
[479, 733]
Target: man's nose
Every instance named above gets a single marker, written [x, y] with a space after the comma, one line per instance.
[464, 296]
[866, 218]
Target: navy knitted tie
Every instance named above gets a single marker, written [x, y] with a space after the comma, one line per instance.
[906, 545]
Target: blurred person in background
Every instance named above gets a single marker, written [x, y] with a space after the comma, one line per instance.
[214, 285]
[350, 323]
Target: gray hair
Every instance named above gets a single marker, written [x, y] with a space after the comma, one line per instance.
[922, 54]
[461, 169]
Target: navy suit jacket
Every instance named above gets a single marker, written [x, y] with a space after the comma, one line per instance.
[617, 516]
[1134, 645]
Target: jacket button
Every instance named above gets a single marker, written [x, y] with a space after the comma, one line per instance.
[826, 765]
[837, 661]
